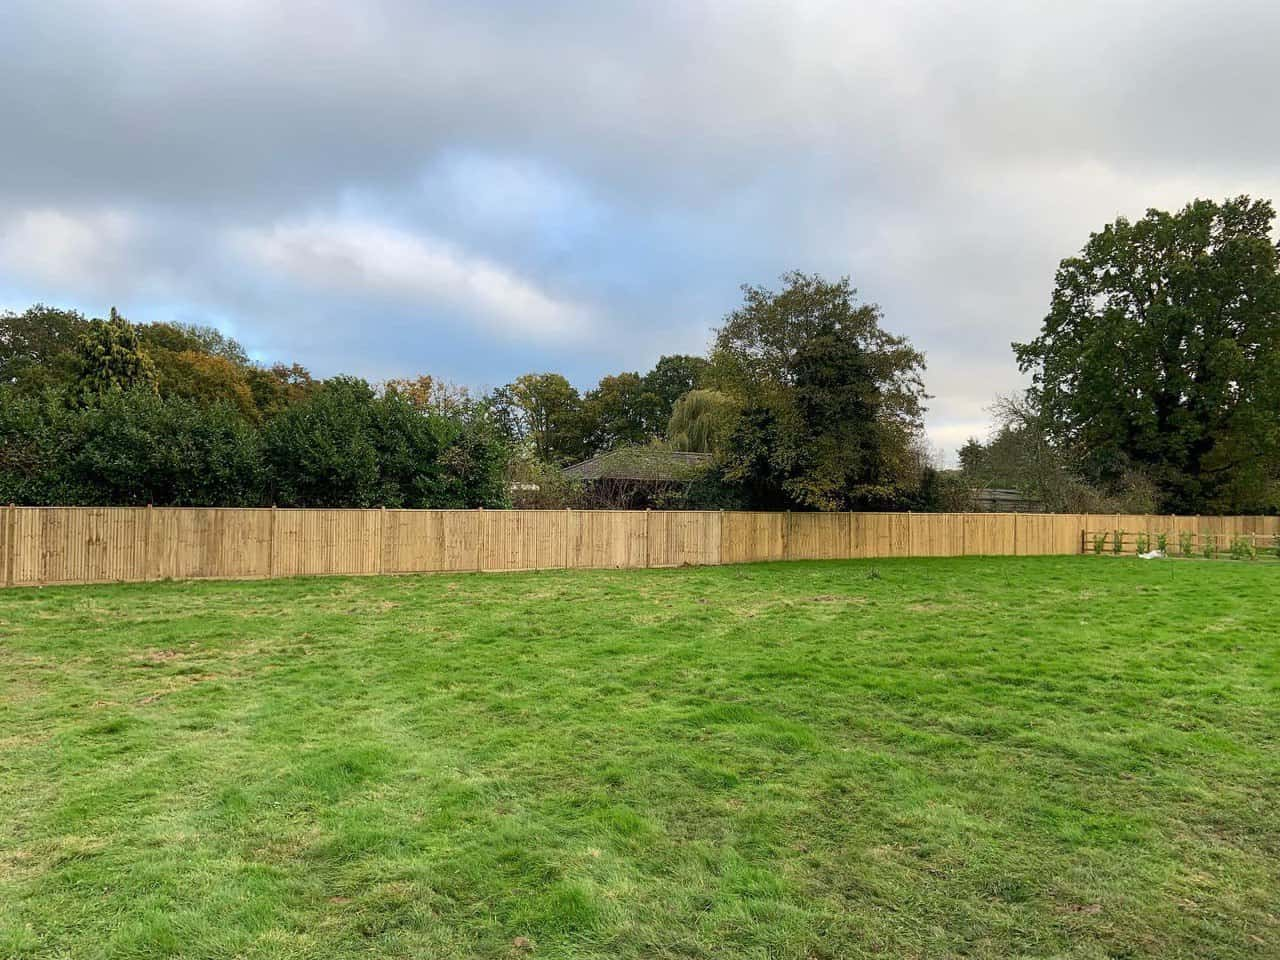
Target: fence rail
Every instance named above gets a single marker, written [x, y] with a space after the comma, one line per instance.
[48, 545]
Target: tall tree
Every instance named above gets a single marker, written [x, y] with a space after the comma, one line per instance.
[111, 358]
[1161, 351]
[621, 410]
[205, 378]
[202, 364]
[543, 410]
[831, 402]
[278, 386]
[37, 346]
[673, 376]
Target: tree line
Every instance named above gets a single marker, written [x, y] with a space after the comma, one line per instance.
[1155, 386]
[804, 401]
[106, 411]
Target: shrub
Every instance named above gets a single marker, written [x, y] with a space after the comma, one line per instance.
[1208, 545]
[539, 486]
[1099, 542]
[1162, 542]
[128, 448]
[1143, 543]
[1117, 544]
[473, 463]
[1187, 543]
[1242, 548]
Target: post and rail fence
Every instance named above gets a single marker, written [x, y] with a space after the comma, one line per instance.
[1180, 543]
[63, 545]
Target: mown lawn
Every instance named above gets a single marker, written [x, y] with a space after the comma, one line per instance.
[1074, 757]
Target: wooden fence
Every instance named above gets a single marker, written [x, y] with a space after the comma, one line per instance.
[46, 545]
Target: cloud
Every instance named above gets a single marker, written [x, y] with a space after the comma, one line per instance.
[57, 248]
[359, 258]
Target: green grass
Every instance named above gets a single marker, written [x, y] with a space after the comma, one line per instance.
[1036, 757]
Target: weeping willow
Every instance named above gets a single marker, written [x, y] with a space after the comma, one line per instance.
[700, 421]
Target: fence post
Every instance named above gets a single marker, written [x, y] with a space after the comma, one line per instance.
[148, 545]
[11, 546]
[648, 529]
[911, 540]
[568, 526]
[786, 536]
[479, 539]
[720, 540]
[271, 546]
[382, 537]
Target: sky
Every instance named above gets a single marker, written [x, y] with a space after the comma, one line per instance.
[479, 190]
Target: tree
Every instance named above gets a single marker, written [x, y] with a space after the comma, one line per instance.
[831, 403]
[110, 358]
[36, 346]
[30, 457]
[180, 337]
[1020, 455]
[205, 378]
[621, 410]
[673, 376]
[474, 460]
[346, 446]
[432, 395]
[1161, 353]
[278, 386]
[1017, 455]
[544, 411]
[323, 452]
[469, 464]
[701, 421]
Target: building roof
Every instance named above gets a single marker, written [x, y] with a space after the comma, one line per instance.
[1000, 500]
[640, 463]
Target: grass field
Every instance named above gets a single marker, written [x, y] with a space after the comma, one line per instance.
[915, 758]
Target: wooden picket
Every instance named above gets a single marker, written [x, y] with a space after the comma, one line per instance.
[51, 545]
